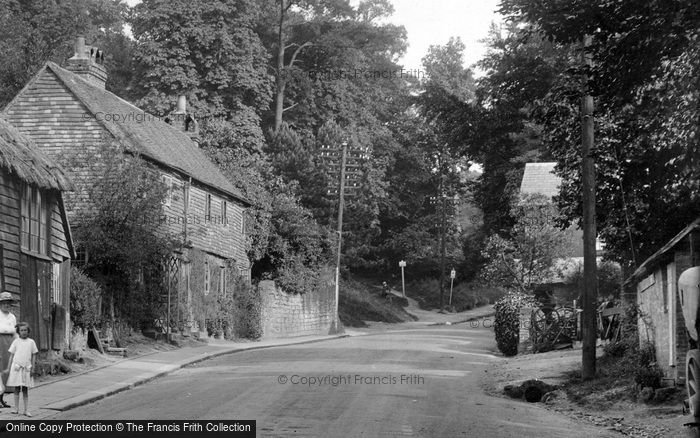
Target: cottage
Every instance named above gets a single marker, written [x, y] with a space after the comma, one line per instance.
[539, 178]
[70, 115]
[35, 240]
[656, 284]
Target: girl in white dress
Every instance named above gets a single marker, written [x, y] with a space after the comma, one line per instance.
[22, 360]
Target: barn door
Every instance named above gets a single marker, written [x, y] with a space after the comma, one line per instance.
[35, 295]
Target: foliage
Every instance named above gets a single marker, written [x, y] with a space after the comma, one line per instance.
[247, 317]
[208, 50]
[609, 276]
[500, 130]
[284, 241]
[35, 31]
[85, 297]
[529, 256]
[644, 81]
[120, 233]
[627, 358]
[507, 320]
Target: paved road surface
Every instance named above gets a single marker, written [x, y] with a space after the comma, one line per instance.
[423, 382]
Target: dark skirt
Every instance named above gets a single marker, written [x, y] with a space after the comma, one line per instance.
[5, 342]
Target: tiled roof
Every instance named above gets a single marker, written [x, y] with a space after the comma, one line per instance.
[19, 156]
[147, 135]
[540, 178]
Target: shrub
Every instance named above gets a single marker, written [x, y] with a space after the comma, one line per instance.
[85, 296]
[646, 371]
[245, 318]
[507, 321]
[627, 357]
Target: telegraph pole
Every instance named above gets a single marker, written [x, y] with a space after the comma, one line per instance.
[590, 292]
[341, 205]
[443, 220]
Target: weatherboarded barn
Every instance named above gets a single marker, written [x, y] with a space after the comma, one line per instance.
[661, 320]
[35, 240]
[71, 116]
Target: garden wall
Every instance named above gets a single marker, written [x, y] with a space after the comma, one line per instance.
[287, 315]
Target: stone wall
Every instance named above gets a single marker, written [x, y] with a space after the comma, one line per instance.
[287, 315]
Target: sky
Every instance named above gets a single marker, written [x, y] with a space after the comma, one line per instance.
[434, 22]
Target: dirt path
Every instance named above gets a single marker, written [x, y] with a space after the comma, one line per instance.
[609, 407]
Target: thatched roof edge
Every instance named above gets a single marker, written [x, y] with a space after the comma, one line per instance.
[20, 157]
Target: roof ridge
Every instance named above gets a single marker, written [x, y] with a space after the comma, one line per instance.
[183, 154]
[109, 126]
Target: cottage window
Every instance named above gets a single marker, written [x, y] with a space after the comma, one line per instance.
[207, 209]
[81, 256]
[35, 215]
[168, 181]
[222, 280]
[207, 278]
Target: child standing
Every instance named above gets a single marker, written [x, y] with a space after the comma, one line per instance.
[23, 357]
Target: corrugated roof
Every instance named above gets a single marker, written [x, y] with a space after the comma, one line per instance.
[146, 134]
[645, 268]
[21, 157]
[540, 178]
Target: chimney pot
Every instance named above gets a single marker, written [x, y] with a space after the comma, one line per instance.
[181, 104]
[79, 47]
[88, 63]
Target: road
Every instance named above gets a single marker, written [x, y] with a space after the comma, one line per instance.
[423, 382]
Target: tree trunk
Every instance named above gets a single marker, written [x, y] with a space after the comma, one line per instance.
[281, 80]
[590, 292]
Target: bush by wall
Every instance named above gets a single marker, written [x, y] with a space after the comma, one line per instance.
[246, 315]
[85, 297]
[627, 357]
[507, 321]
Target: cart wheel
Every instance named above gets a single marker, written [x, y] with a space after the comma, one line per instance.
[692, 381]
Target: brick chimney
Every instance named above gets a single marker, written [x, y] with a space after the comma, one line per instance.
[184, 121]
[87, 62]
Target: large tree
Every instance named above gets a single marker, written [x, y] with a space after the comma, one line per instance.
[35, 31]
[644, 79]
[208, 51]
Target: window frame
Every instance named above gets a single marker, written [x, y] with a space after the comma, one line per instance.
[168, 181]
[222, 279]
[224, 212]
[35, 215]
[207, 278]
[207, 208]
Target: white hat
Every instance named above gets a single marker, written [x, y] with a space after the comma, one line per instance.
[6, 296]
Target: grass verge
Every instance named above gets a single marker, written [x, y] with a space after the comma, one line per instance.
[361, 301]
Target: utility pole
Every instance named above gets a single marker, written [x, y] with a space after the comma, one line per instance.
[590, 292]
[341, 205]
[443, 220]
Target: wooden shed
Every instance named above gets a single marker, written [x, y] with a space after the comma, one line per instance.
[661, 320]
[35, 240]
